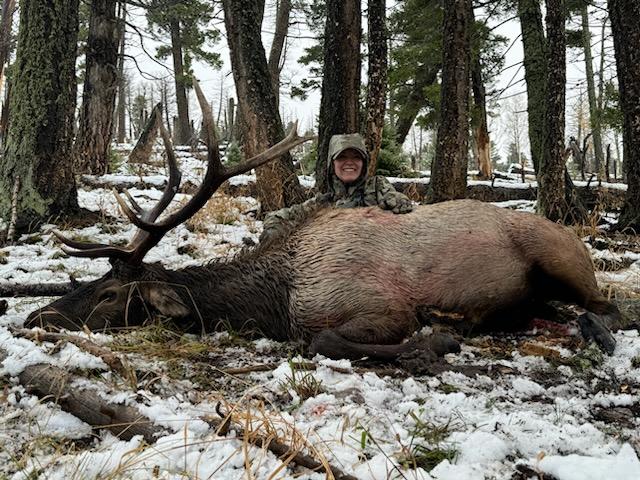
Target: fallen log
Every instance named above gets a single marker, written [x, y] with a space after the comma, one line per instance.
[54, 383]
[37, 289]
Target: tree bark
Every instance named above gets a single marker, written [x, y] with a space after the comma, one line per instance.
[4, 116]
[377, 86]
[339, 106]
[8, 7]
[261, 125]
[535, 73]
[277, 46]
[183, 127]
[479, 116]
[449, 169]
[594, 113]
[624, 15]
[38, 147]
[121, 111]
[551, 192]
[100, 88]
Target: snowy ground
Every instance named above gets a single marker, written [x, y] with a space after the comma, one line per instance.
[520, 406]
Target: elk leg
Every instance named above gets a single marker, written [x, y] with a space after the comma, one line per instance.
[574, 281]
[592, 327]
[333, 345]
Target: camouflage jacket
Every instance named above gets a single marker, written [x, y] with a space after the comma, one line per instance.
[365, 191]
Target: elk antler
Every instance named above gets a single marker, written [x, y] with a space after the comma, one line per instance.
[151, 231]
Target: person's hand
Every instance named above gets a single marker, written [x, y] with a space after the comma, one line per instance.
[397, 203]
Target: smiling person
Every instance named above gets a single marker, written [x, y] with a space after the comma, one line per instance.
[348, 184]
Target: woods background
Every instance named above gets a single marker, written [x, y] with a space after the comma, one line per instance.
[423, 80]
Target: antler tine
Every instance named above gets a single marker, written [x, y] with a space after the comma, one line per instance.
[173, 183]
[132, 201]
[75, 244]
[213, 149]
[92, 250]
[280, 148]
[213, 178]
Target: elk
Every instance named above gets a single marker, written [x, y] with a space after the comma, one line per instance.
[347, 281]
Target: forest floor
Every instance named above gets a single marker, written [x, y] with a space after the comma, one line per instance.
[535, 404]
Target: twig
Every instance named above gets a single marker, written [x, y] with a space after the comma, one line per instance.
[280, 449]
[111, 359]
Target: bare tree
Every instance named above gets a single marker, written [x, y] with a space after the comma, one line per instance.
[261, 125]
[100, 88]
[339, 106]
[377, 85]
[449, 169]
[551, 200]
[276, 53]
[624, 15]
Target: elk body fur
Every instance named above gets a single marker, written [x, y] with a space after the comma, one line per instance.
[350, 281]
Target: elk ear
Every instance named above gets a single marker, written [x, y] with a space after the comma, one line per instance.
[164, 299]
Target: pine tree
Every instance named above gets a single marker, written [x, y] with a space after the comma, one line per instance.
[38, 147]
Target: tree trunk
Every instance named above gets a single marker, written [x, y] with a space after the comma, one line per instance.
[183, 127]
[479, 117]
[100, 87]
[8, 7]
[449, 169]
[38, 147]
[277, 46]
[4, 116]
[339, 106]
[551, 193]
[377, 86]
[277, 181]
[594, 114]
[121, 111]
[535, 73]
[624, 15]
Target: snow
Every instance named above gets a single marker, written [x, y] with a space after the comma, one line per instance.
[521, 409]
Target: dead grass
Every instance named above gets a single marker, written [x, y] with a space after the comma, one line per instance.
[156, 340]
[221, 209]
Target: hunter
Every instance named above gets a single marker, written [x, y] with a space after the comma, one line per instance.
[348, 185]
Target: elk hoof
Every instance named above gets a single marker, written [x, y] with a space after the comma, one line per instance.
[420, 361]
[438, 343]
[593, 328]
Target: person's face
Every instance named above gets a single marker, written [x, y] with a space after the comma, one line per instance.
[348, 165]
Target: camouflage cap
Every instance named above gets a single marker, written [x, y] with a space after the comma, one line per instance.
[340, 143]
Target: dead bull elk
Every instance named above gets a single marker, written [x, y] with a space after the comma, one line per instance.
[349, 281]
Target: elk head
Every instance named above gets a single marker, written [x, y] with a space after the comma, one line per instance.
[132, 288]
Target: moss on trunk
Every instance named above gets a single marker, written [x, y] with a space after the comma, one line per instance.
[38, 147]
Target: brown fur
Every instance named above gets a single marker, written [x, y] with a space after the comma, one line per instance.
[361, 273]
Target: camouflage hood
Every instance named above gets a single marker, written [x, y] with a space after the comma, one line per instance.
[350, 195]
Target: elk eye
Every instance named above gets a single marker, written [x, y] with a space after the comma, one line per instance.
[107, 296]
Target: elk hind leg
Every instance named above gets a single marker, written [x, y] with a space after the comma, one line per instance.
[573, 280]
[378, 338]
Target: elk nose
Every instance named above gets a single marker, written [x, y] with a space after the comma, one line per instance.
[49, 319]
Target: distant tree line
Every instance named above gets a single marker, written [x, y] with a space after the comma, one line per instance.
[426, 66]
